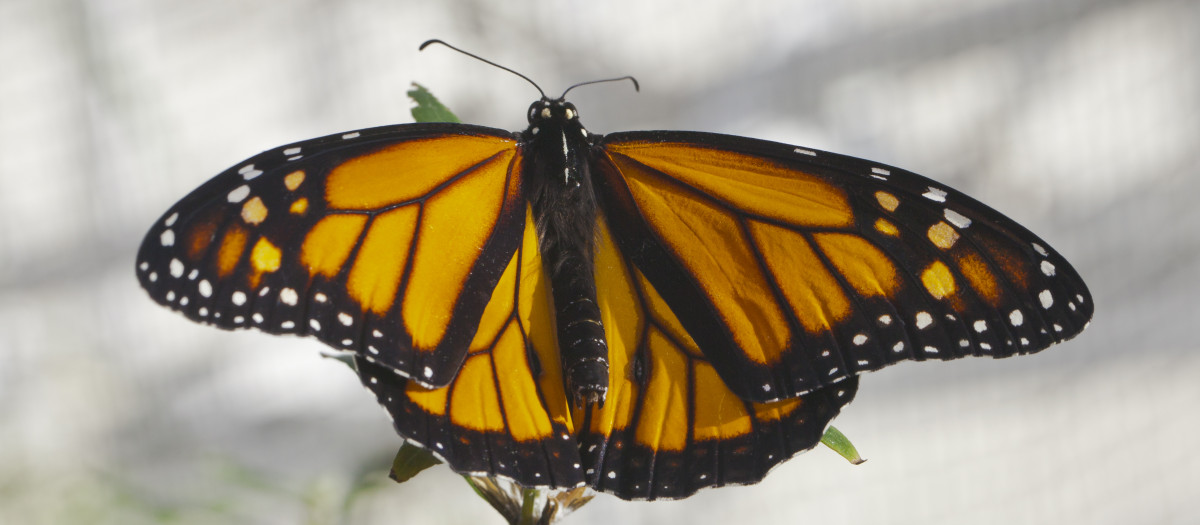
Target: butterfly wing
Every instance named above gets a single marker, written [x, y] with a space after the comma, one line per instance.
[794, 269]
[670, 425]
[505, 413]
[385, 241]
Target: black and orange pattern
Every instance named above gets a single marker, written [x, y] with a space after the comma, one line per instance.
[799, 268]
[742, 286]
[316, 239]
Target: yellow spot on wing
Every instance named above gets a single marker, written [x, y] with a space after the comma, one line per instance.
[329, 243]
[254, 212]
[886, 228]
[375, 276]
[751, 184]
[230, 252]
[943, 235]
[408, 170]
[300, 206]
[938, 280]
[887, 200]
[293, 180]
[265, 256]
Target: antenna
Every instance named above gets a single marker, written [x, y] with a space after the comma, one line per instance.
[484, 60]
[618, 79]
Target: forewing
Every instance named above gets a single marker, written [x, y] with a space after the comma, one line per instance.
[385, 241]
[795, 269]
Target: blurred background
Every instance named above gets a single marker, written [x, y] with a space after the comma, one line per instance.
[1079, 119]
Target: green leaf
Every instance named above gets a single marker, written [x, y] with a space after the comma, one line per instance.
[837, 441]
[411, 460]
[428, 108]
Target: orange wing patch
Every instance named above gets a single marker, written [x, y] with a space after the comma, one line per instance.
[230, 252]
[816, 297]
[754, 185]
[410, 170]
[199, 238]
[980, 276]
[329, 243]
[375, 276]
[867, 268]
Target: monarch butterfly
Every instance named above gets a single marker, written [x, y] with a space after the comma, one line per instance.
[647, 313]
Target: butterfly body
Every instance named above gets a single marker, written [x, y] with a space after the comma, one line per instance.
[564, 209]
[647, 313]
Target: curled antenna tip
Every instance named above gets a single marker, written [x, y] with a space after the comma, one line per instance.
[427, 43]
[630, 78]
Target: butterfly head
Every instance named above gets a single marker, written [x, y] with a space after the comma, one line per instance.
[546, 111]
